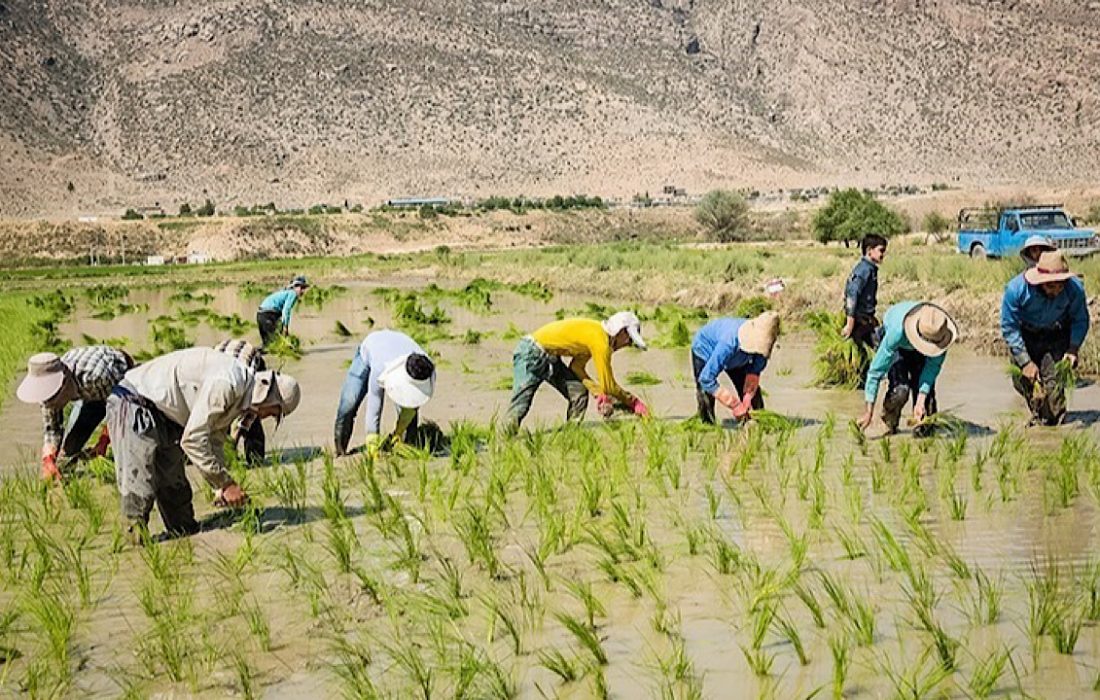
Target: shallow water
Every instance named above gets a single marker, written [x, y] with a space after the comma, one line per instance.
[1012, 537]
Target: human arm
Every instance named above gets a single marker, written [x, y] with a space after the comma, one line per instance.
[1079, 318]
[880, 365]
[1011, 309]
[928, 375]
[288, 308]
[203, 438]
[852, 291]
[53, 419]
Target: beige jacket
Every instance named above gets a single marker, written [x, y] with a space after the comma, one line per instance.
[204, 391]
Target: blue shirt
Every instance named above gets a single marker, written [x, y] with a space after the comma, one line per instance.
[282, 300]
[894, 339]
[861, 292]
[1025, 305]
[376, 352]
[716, 344]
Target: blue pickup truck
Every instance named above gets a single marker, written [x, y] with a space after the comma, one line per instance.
[979, 239]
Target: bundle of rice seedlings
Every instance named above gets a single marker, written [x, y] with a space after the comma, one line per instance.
[944, 421]
[341, 330]
[772, 422]
[838, 362]
[285, 346]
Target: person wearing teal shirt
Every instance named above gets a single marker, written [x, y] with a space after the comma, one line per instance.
[273, 316]
[915, 338]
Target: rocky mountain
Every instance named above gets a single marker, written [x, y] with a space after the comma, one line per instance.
[106, 104]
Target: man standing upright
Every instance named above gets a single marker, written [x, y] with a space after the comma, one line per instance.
[861, 292]
[1044, 319]
[83, 375]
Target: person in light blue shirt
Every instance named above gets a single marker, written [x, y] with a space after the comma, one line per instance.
[387, 363]
[274, 314]
[740, 348]
[1044, 319]
[915, 336]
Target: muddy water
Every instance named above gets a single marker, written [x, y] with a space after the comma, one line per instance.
[1007, 537]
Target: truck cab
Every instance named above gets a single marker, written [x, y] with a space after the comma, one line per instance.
[1014, 225]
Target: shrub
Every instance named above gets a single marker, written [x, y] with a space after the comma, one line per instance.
[1092, 216]
[207, 209]
[185, 209]
[936, 224]
[427, 211]
[850, 214]
[131, 215]
[724, 214]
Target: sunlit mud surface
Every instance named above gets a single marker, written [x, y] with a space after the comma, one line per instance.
[623, 559]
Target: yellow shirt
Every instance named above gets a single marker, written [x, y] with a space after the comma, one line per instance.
[583, 339]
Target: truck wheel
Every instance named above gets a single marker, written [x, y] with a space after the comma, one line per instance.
[977, 252]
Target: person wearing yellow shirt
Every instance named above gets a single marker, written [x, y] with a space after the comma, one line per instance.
[538, 359]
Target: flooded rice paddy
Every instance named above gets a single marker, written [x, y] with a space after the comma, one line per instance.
[789, 558]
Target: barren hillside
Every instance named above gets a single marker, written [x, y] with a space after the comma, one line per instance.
[297, 102]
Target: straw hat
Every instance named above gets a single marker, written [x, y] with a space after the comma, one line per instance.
[403, 388]
[271, 387]
[1041, 242]
[628, 321]
[45, 375]
[1052, 267]
[929, 329]
[758, 335]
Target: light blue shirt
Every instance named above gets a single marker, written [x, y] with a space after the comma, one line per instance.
[716, 344]
[894, 339]
[1024, 304]
[283, 301]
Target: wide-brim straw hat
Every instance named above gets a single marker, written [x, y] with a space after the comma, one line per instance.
[274, 388]
[1052, 267]
[758, 336]
[45, 375]
[403, 389]
[929, 329]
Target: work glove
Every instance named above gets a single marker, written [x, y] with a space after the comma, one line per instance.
[604, 406]
[100, 449]
[50, 472]
[639, 408]
[726, 397]
[372, 446]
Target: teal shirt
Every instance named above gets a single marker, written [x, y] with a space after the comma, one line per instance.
[282, 301]
[894, 339]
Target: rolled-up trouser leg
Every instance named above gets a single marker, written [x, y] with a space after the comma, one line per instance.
[135, 439]
[530, 368]
[352, 393]
[173, 491]
[703, 400]
[570, 386]
[84, 417]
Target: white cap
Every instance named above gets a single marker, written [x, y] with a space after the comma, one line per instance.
[629, 321]
[403, 389]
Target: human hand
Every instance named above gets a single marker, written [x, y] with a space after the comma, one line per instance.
[604, 406]
[726, 397]
[639, 408]
[50, 472]
[1071, 357]
[1031, 371]
[865, 420]
[100, 449]
[232, 496]
[849, 326]
[741, 409]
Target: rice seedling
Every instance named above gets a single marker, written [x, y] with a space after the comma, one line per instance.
[842, 661]
[641, 378]
[286, 346]
[916, 682]
[593, 606]
[678, 677]
[562, 666]
[341, 330]
[789, 631]
[854, 547]
[586, 636]
[957, 504]
[1065, 628]
[838, 361]
[809, 599]
[245, 674]
[408, 658]
[987, 673]
[760, 661]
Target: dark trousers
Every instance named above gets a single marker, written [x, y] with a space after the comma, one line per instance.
[149, 463]
[863, 331]
[531, 367]
[705, 401]
[270, 323]
[904, 379]
[1047, 402]
[84, 417]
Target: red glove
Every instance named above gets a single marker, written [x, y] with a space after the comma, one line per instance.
[100, 449]
[639, 408]
[604, 406]
[50, 471]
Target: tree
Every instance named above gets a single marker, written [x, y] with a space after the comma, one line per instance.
[851, 214]
[207, 209]
[724, 214]
[185, 209]
[936, 224]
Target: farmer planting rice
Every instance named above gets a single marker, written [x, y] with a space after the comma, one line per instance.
[248, 427]
[275, 311]
[84, 376]
[1044, 321]
[538, 358]
[915, 336]
[861, 292]
[180, 407]
[387, 363]
[740, 348]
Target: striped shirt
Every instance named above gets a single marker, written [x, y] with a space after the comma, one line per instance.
[246, 353]
[95, 370]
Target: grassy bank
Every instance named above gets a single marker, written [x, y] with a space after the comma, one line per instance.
[24, 335]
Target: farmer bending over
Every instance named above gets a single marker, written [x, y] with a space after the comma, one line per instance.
[176, 408]
[861, 292]
[387, 363]
[915, 338]
[538, 359]
[741, 349]
[1044, 319]
[273, 317]
[82, 375]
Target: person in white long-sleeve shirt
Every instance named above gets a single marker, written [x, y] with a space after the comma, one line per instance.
[180, 407]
